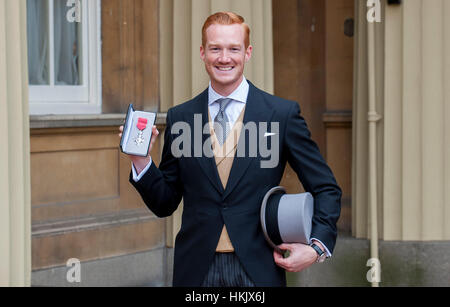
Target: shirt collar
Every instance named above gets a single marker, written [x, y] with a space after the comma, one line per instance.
[240, 93]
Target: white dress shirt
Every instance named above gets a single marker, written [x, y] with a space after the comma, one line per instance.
[232, 111]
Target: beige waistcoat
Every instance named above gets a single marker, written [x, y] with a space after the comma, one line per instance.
[224, 156]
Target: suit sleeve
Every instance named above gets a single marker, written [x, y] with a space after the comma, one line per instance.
[160, 188]
[317, 178]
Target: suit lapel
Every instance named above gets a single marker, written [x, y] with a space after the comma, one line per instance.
[256, 111]
[207, 163]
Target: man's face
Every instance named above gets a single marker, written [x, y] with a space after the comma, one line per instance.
[225, 56]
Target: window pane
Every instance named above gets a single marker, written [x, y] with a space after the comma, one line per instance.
[67, 42]
[38, 53]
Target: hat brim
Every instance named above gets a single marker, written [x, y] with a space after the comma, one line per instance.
[265, 202]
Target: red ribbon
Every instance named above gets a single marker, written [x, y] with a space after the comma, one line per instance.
[142, 123]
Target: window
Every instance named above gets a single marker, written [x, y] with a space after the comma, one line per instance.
[64, 57]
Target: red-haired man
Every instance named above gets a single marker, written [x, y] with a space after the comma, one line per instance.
[221, 242]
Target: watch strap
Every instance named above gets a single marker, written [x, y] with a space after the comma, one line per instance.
[319, 251]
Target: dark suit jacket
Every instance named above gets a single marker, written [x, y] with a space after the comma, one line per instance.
[207, 205]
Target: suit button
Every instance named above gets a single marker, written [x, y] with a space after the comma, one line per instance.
[225, 206]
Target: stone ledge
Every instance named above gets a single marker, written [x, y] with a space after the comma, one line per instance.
[142, 269]
[71, 121]
[96, 241]
[91, 222]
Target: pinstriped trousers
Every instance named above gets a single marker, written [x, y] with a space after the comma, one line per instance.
[227, 271]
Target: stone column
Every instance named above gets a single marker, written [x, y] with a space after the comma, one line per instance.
[15, 220]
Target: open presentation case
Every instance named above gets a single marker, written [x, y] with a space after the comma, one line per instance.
[137, 132]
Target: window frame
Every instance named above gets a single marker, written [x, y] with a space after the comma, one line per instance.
[75, 99]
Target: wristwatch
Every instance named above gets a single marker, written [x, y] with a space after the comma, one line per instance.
[321, 254]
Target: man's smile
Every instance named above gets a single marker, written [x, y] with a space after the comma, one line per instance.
[224, 68]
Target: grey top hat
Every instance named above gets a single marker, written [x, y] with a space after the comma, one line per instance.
[286, 218]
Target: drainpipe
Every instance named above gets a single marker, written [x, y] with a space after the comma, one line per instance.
[373, 118]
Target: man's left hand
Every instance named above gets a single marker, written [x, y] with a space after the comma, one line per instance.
[301, 256]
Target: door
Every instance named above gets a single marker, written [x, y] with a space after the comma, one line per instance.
[313, 65]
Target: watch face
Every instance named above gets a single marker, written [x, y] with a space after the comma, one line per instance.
[321, 258]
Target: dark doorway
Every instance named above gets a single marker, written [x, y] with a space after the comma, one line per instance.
[313, 64]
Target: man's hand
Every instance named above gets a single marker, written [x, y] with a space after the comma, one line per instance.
[301, 256]
[141, 162]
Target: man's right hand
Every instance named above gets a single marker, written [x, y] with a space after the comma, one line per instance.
[141, 162]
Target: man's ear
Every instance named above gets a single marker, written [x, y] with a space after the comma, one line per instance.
[202, 52]
[248, 53]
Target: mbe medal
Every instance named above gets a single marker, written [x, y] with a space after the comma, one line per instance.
[141, 125]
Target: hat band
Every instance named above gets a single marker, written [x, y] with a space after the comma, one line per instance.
[273, 230]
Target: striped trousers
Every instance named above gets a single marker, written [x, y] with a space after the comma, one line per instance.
[227, 271]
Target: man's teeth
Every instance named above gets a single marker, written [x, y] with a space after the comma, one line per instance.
[225, 68]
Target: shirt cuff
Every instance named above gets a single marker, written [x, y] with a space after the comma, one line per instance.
[326, 249]
[137, 177]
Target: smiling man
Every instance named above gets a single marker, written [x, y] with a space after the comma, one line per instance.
[225, 50]
[221, 242]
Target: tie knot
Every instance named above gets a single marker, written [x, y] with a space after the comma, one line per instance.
[223, 103]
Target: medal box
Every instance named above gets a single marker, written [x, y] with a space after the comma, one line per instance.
[137, 132]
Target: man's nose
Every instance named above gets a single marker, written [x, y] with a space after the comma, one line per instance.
[224, 56]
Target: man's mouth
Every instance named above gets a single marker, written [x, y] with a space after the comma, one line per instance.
[227, 68]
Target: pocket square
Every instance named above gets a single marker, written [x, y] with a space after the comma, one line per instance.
[269, 134]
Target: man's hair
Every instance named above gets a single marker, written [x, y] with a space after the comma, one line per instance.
[226, 18]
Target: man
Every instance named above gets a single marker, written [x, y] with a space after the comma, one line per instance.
[221, 242]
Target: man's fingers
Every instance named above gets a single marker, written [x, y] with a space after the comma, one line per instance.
[284, 266]
[276, 254]
[279, 260]
[152, 142]
[284, 246]
[155, 134]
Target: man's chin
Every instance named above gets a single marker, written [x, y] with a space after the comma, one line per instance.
[225, 81]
